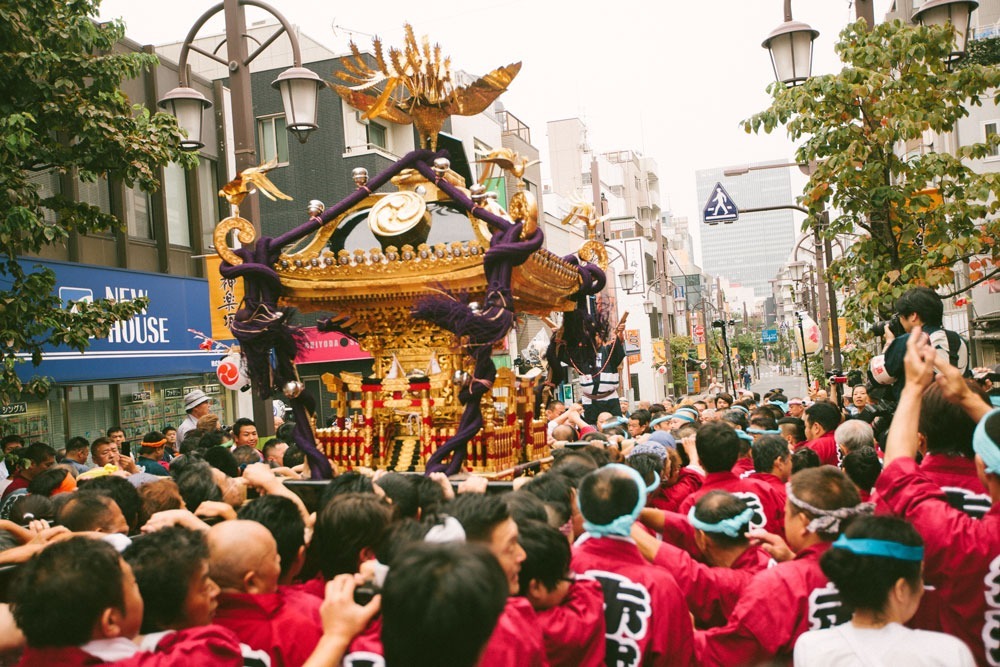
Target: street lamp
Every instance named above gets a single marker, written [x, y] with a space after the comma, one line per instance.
[791, 49]
[942, 12]
[299, 90]
[299, 86]
[796, 270]
[626, 278]
[188, 106]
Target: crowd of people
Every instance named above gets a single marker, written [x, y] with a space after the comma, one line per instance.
[722, 530]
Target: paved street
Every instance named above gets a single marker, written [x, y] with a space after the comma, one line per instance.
[794, 385]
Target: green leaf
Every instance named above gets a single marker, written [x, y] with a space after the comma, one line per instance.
[61, 107]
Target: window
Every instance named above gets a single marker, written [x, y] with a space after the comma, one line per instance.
[990, 129]
[378, 135]
[175, 189]
[138, 214]
[208, 200]
[96, 193]
[273, 139]
[47, 184]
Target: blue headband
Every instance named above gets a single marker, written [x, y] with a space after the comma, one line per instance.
[741, 408]
[734, 526]
[761, 431]
[882, 548]
[743, 435]
[780, 404]
[983, 445]
[621, 526]
[656, 483]
[612, 423]
[660, 420]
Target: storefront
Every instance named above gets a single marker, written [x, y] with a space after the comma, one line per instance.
[138, 375]
[329, 352]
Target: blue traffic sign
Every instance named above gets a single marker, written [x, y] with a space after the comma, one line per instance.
[769, 336]
[720, 207]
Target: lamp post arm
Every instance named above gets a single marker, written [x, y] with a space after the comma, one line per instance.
[778, 207]
[788, 10]
[285, 28]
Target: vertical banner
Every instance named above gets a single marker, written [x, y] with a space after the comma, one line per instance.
[224, 298]
[632, 341]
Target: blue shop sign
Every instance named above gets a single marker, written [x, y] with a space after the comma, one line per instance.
[154, 343]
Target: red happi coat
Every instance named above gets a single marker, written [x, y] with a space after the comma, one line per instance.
[760, 496]
[285, 624]
[776, 607]
[826, 447]
[574, 630]
[961, 556]
[646, 617]
[517, 638]
[366, 649]
[711, 592]
[204, 645]
[669, 498]
[744, 467]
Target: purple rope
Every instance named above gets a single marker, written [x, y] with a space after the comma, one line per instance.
[261, 338]
[482, 330]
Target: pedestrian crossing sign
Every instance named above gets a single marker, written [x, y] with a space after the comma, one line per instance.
[720, 207]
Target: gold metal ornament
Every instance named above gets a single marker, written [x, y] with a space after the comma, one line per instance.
[594, 252]
[524, 208]
[509, 161]
[400, 218]
[417, 87]
[251, 179]
[245, 233]
[293, 388]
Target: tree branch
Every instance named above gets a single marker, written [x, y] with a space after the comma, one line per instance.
[971, 284]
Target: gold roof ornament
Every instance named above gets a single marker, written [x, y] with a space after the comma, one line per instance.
[416, 87]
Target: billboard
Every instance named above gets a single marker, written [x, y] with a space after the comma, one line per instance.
[154, 343]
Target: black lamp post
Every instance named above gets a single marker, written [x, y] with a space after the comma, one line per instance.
[722, 325]
[299, 91]
[805, 355]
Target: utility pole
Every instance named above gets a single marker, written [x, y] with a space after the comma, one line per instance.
[666, 319]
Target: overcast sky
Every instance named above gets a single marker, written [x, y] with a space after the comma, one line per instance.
[671, 79]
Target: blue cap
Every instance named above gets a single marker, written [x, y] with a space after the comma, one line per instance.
[662, 438]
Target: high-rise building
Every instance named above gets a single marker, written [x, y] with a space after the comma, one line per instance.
[750, 250]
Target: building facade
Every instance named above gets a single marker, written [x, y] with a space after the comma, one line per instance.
[750, 250]
[138, 375]
[624, 187]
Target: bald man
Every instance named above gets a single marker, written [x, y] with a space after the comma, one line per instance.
[244, 562]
